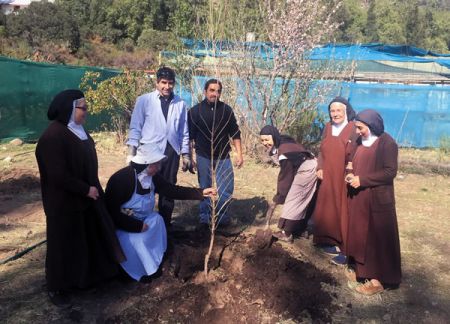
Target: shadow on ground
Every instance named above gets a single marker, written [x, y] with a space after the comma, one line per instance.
[243, 213]
[12, 189]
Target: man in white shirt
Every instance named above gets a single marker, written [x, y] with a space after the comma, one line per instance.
[160, 118]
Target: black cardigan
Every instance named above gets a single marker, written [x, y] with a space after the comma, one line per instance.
[206, 118]
[120, 189]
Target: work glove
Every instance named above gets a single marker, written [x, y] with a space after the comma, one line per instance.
[187, 163]
[131, 153]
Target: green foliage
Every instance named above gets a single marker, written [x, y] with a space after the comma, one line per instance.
[157, 40]
[128, 17]
[154, 25]
[421, 23]
[185, 16]
[384, 23]
[2, 19]
[353, 19]
[42, 22]
[116, 95]
[232, 20]
[79, 10]
[309, 126]
[15, 47]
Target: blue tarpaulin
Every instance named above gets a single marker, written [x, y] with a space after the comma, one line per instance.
[350, 52]
[415, 115]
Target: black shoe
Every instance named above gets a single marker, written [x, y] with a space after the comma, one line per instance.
[203, 227]
[282, 236]
[59, 298]
[146, 279]
[150, 278]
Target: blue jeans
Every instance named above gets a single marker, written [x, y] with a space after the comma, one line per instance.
[225, 187]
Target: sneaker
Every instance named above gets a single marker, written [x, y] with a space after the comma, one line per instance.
[339, 260]
[59, 298]
[282, 236]
[369, 289]
[330, 249]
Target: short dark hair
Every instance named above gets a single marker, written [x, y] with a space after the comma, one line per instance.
[213, 81]
[165, 73]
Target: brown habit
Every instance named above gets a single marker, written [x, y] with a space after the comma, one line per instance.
[373, 240]
[330, 214]
[82, 248]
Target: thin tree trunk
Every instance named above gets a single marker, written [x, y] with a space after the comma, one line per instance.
[208, 254]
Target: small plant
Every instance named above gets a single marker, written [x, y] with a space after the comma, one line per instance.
[444, 147]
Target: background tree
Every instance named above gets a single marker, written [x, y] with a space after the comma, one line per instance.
[415, 25]
[384, 23]
[44, 22]
[352, 17]
[108, 28]
[185, 17]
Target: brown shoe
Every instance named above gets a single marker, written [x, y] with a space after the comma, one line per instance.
[282, 236]
[369, 289]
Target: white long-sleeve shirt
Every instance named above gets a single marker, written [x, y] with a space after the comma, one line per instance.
[148, 124]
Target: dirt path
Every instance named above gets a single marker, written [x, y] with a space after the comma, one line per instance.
[250, 282]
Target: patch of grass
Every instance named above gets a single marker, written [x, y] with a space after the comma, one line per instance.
[424, 161]
[107, 142]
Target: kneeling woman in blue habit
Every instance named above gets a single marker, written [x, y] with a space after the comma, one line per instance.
[130, 198]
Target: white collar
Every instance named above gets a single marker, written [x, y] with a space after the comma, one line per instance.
[144, 179]
[75, 128]
[367, 142]
[336, 129]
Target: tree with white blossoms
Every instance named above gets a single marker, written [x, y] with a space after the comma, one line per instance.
[282, 85]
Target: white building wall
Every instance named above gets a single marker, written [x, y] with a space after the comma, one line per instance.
[8, 7]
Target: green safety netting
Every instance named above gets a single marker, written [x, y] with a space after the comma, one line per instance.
[26, 89]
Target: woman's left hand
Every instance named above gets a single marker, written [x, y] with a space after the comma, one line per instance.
[210, 192]
[355, 182]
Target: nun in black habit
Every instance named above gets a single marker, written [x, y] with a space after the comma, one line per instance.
[82, 248]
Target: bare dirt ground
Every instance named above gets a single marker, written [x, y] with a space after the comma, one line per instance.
[251, 280]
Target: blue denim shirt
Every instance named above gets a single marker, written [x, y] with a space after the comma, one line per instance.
[148, 124]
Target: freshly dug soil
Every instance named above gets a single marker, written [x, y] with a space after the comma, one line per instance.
[252, 280]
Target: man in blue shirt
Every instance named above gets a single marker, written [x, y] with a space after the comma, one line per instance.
[160, 118]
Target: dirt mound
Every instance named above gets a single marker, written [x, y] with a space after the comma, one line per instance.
[19, 184]
[251, 281]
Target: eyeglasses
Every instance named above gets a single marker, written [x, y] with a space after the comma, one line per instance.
[84, 108]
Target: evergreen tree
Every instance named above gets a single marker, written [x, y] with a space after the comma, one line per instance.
[415, 27]
[371, 32]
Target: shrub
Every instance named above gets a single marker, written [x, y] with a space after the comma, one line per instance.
[44, 21]
[157, 40]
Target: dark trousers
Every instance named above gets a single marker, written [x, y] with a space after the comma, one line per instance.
[169, 170]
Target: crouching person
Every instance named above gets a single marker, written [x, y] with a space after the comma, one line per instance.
[130, 199]
[296, 181]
